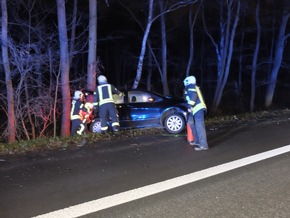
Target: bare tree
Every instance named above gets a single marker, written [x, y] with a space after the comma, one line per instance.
[64, 68]
[143, 47]
[191, 22]
[150, 66]
[150, 19]
[255, 58]
[9, 88]
[278, 54]
[163, 49]
[224, 49]
[92, 53]
[33, 103]
[30, 58]
[73, 31]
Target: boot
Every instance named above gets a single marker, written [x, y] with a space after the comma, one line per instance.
[115, 129]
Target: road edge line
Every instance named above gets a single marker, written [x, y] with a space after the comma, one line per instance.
[145, 191]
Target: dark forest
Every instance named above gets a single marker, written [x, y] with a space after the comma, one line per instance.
[237, 49]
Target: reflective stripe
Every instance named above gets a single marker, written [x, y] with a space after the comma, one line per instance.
[104, 101]
[197, 108]
[72, 109]
[200, 105]
[115, 124]
[81, 129]
[75, 117]
[191, 102]
[76, 110]
[102, 98]
[104, 128]
[72, 115]
[200, 96]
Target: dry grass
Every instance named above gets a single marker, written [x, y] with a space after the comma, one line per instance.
[44, 144]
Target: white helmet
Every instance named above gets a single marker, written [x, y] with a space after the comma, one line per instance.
[102, 79]
[77, 94]
[189, 80]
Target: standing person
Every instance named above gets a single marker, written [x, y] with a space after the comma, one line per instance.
[103, 98]
[197, 107]
[76, 115]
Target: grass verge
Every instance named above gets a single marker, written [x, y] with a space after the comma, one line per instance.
[44, 144]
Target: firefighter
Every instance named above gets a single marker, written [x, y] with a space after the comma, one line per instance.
[103, 99]
[197, 107]
[78, 114]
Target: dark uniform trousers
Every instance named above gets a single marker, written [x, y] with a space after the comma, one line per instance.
[108, 110]
[78, 126]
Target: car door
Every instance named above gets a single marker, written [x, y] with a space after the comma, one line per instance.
[121, 103]
[143, 109]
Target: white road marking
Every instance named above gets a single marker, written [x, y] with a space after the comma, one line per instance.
[124, 197]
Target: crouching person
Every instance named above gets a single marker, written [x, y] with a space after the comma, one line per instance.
[78, 119]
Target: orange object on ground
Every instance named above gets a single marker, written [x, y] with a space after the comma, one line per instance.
[190, 136]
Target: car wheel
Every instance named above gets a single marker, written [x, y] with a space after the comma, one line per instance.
[174, 123]
[95, 126]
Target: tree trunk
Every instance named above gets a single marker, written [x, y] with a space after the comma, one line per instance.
[30, 117]
[191, 38]
[255, 58]
[73, 32]
[92, 56]
[64, 68]
[8, 81]
[239, 82]
[277, 59]
[224, 50]
[143, 48]
[163, 50]
[149, 68]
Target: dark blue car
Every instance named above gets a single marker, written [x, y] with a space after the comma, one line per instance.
[146, 109]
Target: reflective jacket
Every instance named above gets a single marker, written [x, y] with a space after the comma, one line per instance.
[104, 94]
[76, 109]
[194, 98]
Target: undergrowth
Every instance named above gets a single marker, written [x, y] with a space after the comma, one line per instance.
[50, 143]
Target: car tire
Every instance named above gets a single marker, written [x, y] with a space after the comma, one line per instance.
[95, 126]
[174, 123]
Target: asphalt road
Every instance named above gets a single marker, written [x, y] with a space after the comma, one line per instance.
[37, 184]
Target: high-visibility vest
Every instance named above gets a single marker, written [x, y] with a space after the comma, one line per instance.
[77, 106]
[105, 94]
[197, 104]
